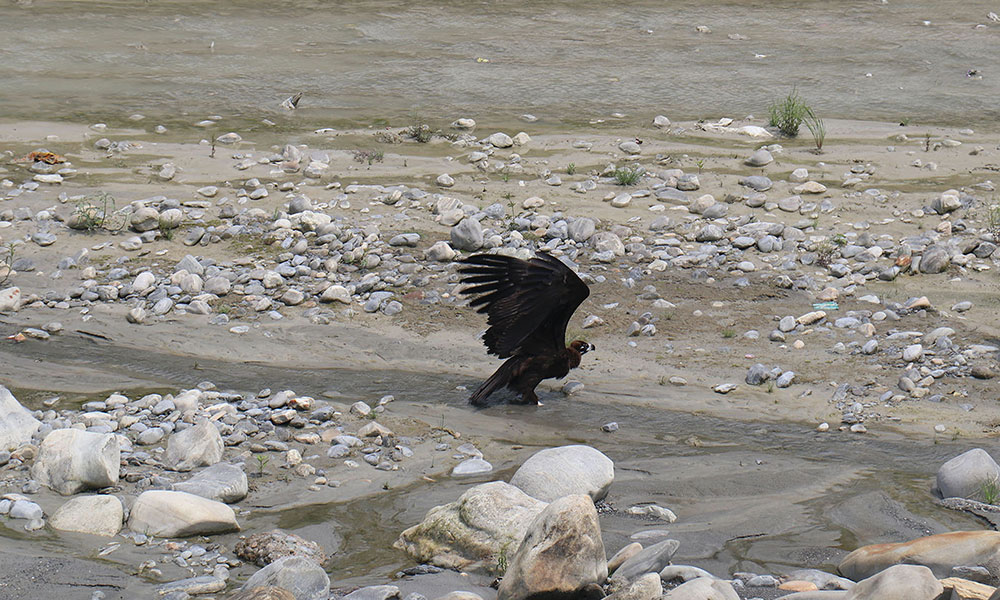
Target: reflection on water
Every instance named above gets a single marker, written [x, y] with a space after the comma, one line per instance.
[563, 61]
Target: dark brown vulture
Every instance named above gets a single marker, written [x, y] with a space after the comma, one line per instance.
[529, 304]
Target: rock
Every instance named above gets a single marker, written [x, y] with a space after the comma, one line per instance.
[758, 183]
[136, 315]
[10, 299]
[263, 549]
[661, 122]
[471, 467]
[561, 553]
[500, 140]
[957, 588]
[649, 560]
[799, 175]
[267, 592]
[305, 579]
[810, 187]
[703, 589]
[758, 374]
[17, 426]
[25, 509]
[607, 241]
[171, 218]
[623, 555]
[522, 139]
[440, 252]
[555, 472]
[445, 180]
[471, 532]
[72, 460]
[222, 482]
[164, 513]
[900, 582]
[965, 475]
[759, 158]
[938, 552]
[374, 592]
[646, 587]
[913, 352]
[947, 202]
[467, 235]
[581, 229]
[710, 233]
[336, 293]
[204, 584]
[935, 259]
[145, 218]
[790, 204]
[197, 446]
[630, 147]
[98, 515]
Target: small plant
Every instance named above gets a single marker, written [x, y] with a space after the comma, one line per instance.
[989, 490]
[98, 211]
[701, 164]
[262, 461]
[385, 486]
[839, 240]
[992, 220]
[7, 264]
[627, 175]
[368, 156]
[904, 121]
[502, 560]
[770, 387]
[816, 127]
[927, 142]
[824, 254]
[788, 114]
[728, 333]
[420, 132]
[505, 176]
[571, 169]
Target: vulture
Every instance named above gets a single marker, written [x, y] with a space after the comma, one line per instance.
[528, 304]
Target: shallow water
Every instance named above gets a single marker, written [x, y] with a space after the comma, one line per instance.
[564, 61]
[753, 495]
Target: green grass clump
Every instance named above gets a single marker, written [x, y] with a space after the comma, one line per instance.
[627, 175]
[816, 127]
[788, 114]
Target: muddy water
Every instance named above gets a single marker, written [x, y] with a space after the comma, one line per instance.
[563, 61]
[753, 496]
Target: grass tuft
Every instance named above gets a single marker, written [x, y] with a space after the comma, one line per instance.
[628, 175]
[788, 114]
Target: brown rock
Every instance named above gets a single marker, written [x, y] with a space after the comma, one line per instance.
[899, 582]
[622, 555]
[561, 553]
[262, 549]
[263, 593]
[798, 586]
[963, 589]
[938, 552]
[983, 372]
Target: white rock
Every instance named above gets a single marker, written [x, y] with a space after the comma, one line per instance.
[16, 423]
[500, 140]
[178, 514]
[661, 122]
[222, 482]
[555, 472]
[98, 515]
[336, 293]
[10, 299]
[193, 447]
[445, 180]
[72, 460]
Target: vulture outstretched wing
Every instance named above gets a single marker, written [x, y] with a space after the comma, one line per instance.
[529, 303]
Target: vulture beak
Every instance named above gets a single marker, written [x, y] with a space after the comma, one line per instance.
[587, 347]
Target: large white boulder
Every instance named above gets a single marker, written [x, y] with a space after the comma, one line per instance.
[555, 472]
[16, 423]
[73, 460]
[197, 446]
[561, 554]
[179, 514]
[487, 521]
[223, 482]
[99, 515]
